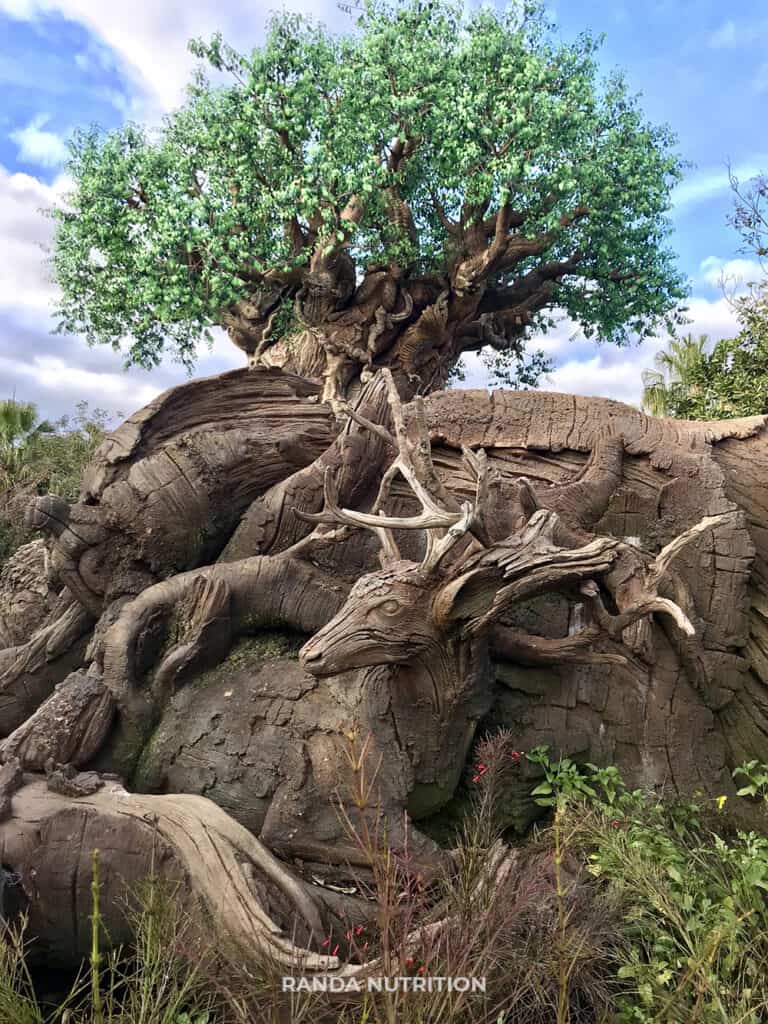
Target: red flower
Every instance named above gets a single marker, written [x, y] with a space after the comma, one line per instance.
[359, 929]
[335, 950]
[516, 755]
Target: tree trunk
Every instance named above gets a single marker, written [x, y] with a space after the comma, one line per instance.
[253, 594]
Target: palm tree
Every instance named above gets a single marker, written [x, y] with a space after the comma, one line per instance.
[19, 428]
[676, 370]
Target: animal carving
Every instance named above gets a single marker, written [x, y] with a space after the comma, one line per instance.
[403, 658]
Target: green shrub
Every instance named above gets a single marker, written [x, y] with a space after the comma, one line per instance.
[694, 894]
[41, 458]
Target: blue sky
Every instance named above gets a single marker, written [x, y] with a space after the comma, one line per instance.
[701, 66]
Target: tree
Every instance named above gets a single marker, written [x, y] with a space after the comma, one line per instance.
[676, 375]
[40, 457]
[732, 378]
[19, 429]
[269, 602]
[382, 198]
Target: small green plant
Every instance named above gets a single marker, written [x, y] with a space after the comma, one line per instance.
[756, 775]
[562, 779]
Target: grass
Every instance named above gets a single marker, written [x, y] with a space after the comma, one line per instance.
[157, 981]
[620, 908]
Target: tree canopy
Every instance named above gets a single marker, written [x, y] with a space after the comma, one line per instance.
[674, 380]
[693, 380]
[472, 150]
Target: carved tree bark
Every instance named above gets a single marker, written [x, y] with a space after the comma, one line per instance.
[566, 567]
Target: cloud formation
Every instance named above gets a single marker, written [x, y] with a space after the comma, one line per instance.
[724, 37]
[134, 56]
[705, 184]
[52, 370]
[37, 146]
[150, 37]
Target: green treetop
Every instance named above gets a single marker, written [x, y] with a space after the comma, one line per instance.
[462, 168]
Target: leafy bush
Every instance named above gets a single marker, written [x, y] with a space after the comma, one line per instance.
[693, 893]
[39, 458]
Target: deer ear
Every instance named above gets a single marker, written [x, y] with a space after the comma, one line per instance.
[467, 597]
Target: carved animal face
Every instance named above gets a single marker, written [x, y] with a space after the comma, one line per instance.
[387, 619]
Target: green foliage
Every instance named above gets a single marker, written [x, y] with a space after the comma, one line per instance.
[19, 430]
[667, 922]
[731, 379]
[756, 775]
[39, 458]
[674, 379]
[518, 371]
[164, 231]
[694, 897]
[563, 779]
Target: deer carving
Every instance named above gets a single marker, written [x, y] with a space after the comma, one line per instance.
[421, 634]
[406, 656]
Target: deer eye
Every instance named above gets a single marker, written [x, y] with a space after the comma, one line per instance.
[389, 607]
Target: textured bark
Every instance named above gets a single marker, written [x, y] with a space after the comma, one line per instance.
[27, 594]
[228, 882]
[680, 716]
[165, 490]
[566, 567]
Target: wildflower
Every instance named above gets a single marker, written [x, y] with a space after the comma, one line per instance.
[409, 961]
[359, 929]
[721, 802]
[324, 944]
[515, 755]
[335, 950]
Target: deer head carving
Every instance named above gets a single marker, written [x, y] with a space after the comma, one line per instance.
[464, 583]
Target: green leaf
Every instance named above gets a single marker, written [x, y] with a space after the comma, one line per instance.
[186, 215]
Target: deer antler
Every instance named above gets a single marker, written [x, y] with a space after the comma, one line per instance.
[414, 463]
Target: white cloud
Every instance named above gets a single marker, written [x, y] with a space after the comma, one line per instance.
[37, 146]
[724, 37]
[708, 183]
[735, 274]
[589, 368]
[58, 371]
[617, 373]
[24, 279]
[150, 37]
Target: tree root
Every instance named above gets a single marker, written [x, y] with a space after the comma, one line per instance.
[229, 882]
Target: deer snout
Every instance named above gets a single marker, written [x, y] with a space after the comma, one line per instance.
[311, 657]
[334, 649]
